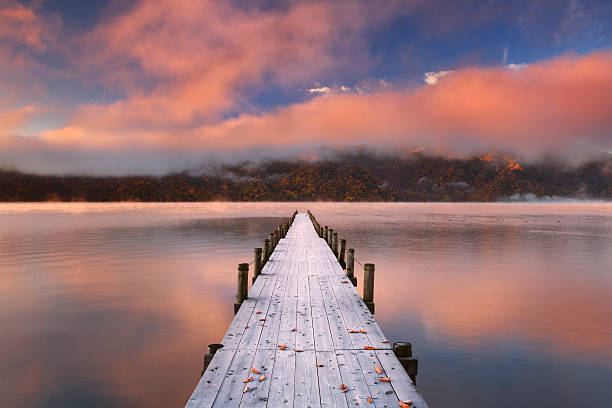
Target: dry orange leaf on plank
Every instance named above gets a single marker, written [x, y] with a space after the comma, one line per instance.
[246, 388]
[405, 404]
[385, 341]
[385, 379]
[353, 331]
[319, 365]
[369, 400]
[256, 371]
[297, 350]
[345, 281]
[248, 379]
[343, 387]
[263, 377]
[258, 312]
[246, 327]
[293, 329]
[369, 348]
[262, 320]
[362, 331]
[378, 369]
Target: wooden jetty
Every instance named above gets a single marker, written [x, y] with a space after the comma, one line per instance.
[302, 336]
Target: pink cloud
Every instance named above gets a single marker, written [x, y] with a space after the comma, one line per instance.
[562, 99]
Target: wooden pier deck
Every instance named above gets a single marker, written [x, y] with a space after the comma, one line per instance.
[301, 333]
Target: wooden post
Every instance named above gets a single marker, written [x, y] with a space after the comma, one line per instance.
[330, 237]
[403, 352]
[266, 251]
[342, 253]
[326, 234]
[272, 245]
[368, 286]
[350, 267]
[243, 285]
[257, 270]
[335, 244]
[210, 353]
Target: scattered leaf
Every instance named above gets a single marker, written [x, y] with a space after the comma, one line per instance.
[262, 320]
[256, 371]
[248, 379]
[369, 348]
[343, 387]
[319, 365]
[385, 341]
[353, 331]
[378, 369]
[385, 379]
[369, 400]
[293, 329]
[263, 377]
[246, 388]
[405, 404]
[258, 312]
[362, 331]
[246, 327]
[298, 350]
[345, 281]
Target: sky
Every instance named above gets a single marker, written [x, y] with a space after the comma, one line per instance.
[152, 86]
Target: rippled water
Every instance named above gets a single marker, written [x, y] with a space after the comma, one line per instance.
[113, 304]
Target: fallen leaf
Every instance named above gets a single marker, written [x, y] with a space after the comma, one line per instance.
[256, 371]
[369, 400]
[263, 377]
[385, 379]
[362, 331]
[343, 387]
[345, 281]
[262, 320]
[405, 404]
[297, 350]
[246, 388]
[258, 312]
[369, 348]
[293, 329]
[385, 341]
[263, 325]
[353, 331]
[248, 379]
[246, 327]
[378, 369]
[319, 365]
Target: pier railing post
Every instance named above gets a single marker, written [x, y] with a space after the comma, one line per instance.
[272, 244]
[342, 253]
[243, 285]
[335, 244]
[350, 267]
[326, 234]
[257, 270]
[266, 251]
[330, 238]
[368, 286]
[403, 352]
[210, 353]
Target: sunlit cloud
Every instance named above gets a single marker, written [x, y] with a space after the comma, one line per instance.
[432, 78]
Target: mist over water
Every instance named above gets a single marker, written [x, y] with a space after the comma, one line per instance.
[113, 304]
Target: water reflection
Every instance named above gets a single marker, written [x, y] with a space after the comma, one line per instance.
[112, 305]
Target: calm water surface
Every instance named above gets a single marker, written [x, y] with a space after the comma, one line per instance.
[113, 304]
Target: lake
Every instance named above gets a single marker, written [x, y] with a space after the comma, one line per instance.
[113, 304]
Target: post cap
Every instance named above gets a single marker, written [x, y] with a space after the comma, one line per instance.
[402, 349]
[258, 250]
[351, 249]
[369, 267]
[243, 267]
[212, 348]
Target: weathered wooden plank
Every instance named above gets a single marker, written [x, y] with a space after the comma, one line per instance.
[306, 384]
[400, 381]
[207, 389]
[232, 387]
[328, 374]
[352, 377]
[259, 388]
[282, 385]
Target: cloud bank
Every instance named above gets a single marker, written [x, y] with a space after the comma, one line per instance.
[182, 74]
